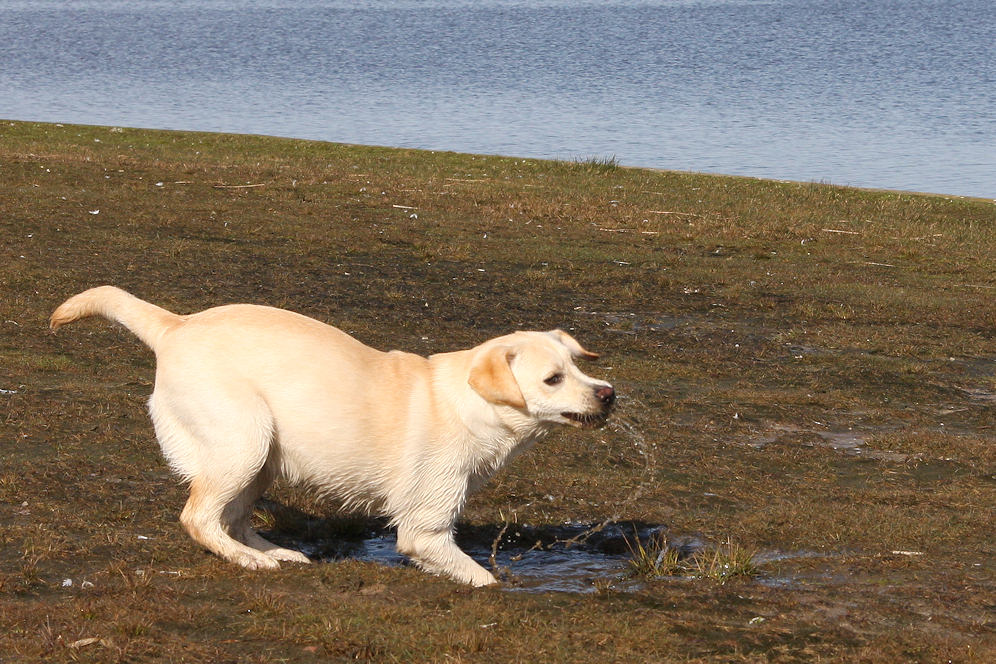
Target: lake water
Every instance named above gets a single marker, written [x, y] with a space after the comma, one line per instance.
[897, 94]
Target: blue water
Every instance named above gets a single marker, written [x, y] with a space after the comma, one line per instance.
[897, 94]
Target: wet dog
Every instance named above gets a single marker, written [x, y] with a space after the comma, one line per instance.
[245, 394]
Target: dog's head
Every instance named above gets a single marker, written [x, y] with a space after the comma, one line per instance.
[535, 372]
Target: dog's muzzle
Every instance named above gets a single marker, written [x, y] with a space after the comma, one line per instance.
[607, 397]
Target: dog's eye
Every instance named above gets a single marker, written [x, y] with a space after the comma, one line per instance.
[555, 379]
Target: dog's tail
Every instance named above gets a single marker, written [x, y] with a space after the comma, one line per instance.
[146, 321]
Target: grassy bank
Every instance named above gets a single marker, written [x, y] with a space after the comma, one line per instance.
[806, 371]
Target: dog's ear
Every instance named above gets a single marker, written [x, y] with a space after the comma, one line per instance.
[572, 345]
[491, 377]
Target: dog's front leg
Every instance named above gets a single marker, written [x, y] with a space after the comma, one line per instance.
[437, 552]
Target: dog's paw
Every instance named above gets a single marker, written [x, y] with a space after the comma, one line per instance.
[255, 560]
[288, 555]
[487, 579]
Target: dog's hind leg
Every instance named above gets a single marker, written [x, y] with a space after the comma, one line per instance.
[238, 512]
[222, 449]
[202, 519]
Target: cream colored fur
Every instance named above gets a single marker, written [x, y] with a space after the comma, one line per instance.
[245, 394]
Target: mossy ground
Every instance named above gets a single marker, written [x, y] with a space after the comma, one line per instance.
[807, 370]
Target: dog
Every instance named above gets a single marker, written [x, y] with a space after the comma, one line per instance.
[245, 394]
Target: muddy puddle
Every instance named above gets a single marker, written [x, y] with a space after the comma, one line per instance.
[573, 558]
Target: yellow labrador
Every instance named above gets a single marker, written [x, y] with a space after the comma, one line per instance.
[245, 394]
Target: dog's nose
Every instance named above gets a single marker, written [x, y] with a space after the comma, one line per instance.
[606, 395]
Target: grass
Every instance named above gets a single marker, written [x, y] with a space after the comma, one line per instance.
[657, 558]
[746, 324]
[596, 165]
[725, 562]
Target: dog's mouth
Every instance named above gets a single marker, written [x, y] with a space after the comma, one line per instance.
[586, 420]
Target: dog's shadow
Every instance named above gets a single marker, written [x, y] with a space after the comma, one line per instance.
[319, 537]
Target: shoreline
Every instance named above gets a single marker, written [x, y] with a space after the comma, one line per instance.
[508, 156]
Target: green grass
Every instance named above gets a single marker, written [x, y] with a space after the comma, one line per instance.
[742, 329]
[596, 165]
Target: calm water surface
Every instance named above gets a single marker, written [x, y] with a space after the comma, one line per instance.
[879, 93]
